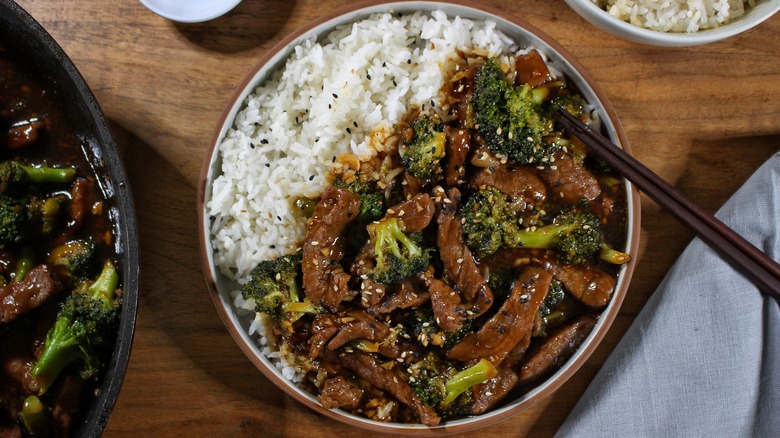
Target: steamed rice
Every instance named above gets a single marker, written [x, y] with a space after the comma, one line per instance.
[676, 15]
[324, 102]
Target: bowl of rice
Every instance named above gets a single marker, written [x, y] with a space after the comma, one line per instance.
[675, 23]
[318, 101]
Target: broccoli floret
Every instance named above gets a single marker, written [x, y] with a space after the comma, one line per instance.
[13, 172]
[574, 235]
[510, 118]
[438, 383]
[428, 378]
[398, 255]
[14, 225]
[275, 287]
[420, 324]
[554, 297]
[85, 325]
[371, 200]
[572, 103]
[73, 260]
[488, 216]
[422, 155]
[22, 220]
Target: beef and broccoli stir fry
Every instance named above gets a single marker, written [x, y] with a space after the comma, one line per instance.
[59, 286]
[465, 262]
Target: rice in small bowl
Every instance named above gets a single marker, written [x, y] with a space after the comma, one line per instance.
[675, 23]
[329, 90]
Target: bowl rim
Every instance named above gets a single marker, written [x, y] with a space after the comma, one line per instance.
[361, 10]
[67, 75]
[623, 29]
[191, 15]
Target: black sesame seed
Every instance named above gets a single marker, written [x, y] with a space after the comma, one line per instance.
[349, 131]
[335, 96]
[267, 164]
[408, 61]
[432, 104]
[273, 246]
[212, 218]
[280, 219]
[355, 123]
[252, 145]
[263, 141]
[395, 84]
[311, 177]
[333, 160]
[368, 77]
[296, 120]
[384, 64]
[330, 106]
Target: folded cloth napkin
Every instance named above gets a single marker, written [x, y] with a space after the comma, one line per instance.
[702, 359]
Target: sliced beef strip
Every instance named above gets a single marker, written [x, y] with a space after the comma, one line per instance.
[568, 181]
[458, 146]
[339, 392]
[588, 284]
[531, 69]
[332, 331]
[324, 278]
[35, 289]
[487, 395]
[458, 261]
[414, 214]
[389, 380]
[447, 306]
[496, 339]
[409, 293]
[518, 182]
[556, 349]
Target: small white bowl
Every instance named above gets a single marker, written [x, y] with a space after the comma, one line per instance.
[190, 11]
[609, 23]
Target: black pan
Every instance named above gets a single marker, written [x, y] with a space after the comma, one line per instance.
[55, 71]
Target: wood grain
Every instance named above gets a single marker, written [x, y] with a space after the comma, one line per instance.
[704, 118]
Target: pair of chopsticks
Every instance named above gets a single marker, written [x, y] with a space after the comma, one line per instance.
[741, 254]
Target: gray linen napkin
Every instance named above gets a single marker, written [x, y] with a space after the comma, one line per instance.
[702, 359]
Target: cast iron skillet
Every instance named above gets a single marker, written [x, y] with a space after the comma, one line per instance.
[59, 76]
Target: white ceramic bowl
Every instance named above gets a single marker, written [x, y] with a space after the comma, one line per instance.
[220, 286]
[190, 11]
[597, 16]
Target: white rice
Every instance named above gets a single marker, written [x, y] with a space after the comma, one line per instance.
[676, 15]
[322, 103]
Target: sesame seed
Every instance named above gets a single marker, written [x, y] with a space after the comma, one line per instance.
[554, 167]
[311, 177]
[349, 131]
[335, 96]
[264, 141]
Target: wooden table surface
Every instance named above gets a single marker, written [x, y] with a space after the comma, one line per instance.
[704, 118]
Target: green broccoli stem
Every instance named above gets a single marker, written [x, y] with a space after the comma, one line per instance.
[104, 287]
[540, 238]
[611, 255]
[61, 350]
[45, 174]
[301, 307]
[35, 416]
[24, 263]
[483, 371]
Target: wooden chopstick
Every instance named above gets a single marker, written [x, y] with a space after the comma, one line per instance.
[741, 254]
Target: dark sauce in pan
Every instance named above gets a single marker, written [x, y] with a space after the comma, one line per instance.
[26, 103]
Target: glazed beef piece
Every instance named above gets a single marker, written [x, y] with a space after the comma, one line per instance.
[556, 349]
[339, 392]
[519, 182]
[514, 320]
[459, 263]
[324, 278]
[568, 181]
[34, 290]
[458, 147]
